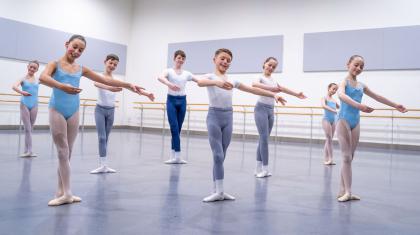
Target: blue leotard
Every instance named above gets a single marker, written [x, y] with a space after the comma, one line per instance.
[31, 88]
[328, 115]
[348, 112]
[64, 103]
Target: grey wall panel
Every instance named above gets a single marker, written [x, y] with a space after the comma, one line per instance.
[8, 37]
[248, 53]
[402, 47]
[383, 49]
[330, 51]
[29, 42]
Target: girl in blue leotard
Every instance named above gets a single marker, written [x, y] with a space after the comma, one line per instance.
[328, 122]
[64, 77]
[350, 92]
[28, 104]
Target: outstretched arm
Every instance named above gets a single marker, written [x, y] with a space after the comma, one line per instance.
[384, 100]
[265, 87]
[258, 91]
[286, 90]
[345, 98]
[46, 79]
[204, 81]
[109, 88]
[115, 83]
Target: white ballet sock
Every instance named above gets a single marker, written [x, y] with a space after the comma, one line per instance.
[102, 161]
[265, 168]
[177, 155]
[219, 186]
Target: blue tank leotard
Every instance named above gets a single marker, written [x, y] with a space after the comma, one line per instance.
[31, 88]
[328, 115]
[348, 112]
[64, 103]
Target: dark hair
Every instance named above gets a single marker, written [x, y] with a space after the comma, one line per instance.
[77, 36]
[331, 84]
[227, 51]
[34, 62]
[354, 57]
[268, 59]
[112, 57]
[181, 53]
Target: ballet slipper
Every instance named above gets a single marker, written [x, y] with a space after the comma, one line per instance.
[33, 155]
[76, 199]
[228, 197]
[175, 161]
[346, 197]
[109, 170]
[214, 197]
[263, 174]
[101, 169]
[355, 197]
[27, 154]
[60, 201]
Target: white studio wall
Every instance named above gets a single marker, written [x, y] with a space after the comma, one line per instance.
[105, 20]
[155, 24]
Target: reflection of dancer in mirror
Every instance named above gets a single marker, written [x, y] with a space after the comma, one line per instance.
[330, 107]
[220, 116]
[64, 77]
[350, 92]
[264, 113]
[28, 104]
[176, 104]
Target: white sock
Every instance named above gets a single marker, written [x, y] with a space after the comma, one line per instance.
[265, 168]
[102, 161]
[219, 186]
[177, 155]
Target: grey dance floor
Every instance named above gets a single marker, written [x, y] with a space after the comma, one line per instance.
[149, 197]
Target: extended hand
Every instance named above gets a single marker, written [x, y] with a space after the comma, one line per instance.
[70, 89]
[300, 95]
[366, 109]
[401, 108]
[224, 85]
[174, 87]
[24, 93]
[280, 99]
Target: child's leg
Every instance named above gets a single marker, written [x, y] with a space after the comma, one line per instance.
[26, 120]
[345, 139]
[328, 130]
[262, 120]
[216, 140]
[101, 130]
[58, 125]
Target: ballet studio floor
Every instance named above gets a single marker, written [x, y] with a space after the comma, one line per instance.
[146, 196]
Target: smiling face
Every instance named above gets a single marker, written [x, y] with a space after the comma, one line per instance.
[32, 68]
[111, 65]
[179, 61]
[270, 66]
[74, 48]
[222, 61]
[332, 89]
[355, 66]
